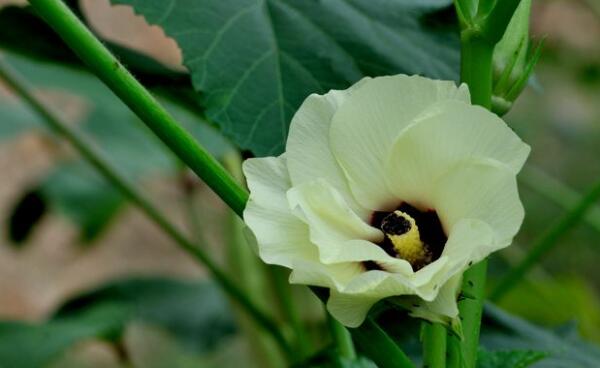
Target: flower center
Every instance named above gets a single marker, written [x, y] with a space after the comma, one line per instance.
[411, 234]
[403, 232]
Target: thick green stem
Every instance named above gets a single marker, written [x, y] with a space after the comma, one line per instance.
[547, 242]
[379, 347]
[341, 338]
[99, 59]
[434, 345]
[476, 71]
[112, 175]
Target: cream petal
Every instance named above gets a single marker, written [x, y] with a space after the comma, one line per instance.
[469, 242]
[350, 310]
[444, 308]
[484, 190]
[366, 125]
[331, 221]
[351, 305]
[281, 237]
[308, 151]
[318, 274]
[449, 132]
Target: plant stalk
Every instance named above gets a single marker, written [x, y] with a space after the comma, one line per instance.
[379, 347]
[341, 338]
[476, 72]
[111, 174]
[434, 345]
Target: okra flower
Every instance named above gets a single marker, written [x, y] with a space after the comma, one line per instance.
[391, 188]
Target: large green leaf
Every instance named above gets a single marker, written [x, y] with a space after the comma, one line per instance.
[255, 61]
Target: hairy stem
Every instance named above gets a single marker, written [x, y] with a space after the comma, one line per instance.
[112, 175]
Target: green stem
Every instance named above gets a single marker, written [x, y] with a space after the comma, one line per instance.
[476, 71]
[112, 175]
[547, 242]
[434, 345]
[341, 338]
[283, 293]
[99, 59]
[379, 347]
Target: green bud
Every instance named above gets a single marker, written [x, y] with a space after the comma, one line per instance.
[514, 60]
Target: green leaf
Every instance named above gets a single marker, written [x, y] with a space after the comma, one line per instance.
[504, 332]
[511, 358]
[255, 61]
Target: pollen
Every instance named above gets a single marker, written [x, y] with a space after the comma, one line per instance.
[402, 230]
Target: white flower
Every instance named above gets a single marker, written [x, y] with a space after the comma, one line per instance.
[392, 187]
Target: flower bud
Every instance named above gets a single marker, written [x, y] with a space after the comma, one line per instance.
[514, 60]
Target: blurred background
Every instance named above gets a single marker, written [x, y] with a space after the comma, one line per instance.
[64, 231]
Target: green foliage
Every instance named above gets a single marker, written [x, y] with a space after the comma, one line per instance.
[286, 50]
[504, 332]
[16, 120]
[511, 358]
[556, 302]
[72, 187]
[75, 190]
[196, 314]
[26, 345]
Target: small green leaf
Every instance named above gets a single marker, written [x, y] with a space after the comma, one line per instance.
[25, 345]
[255, 61]
[196, 313]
